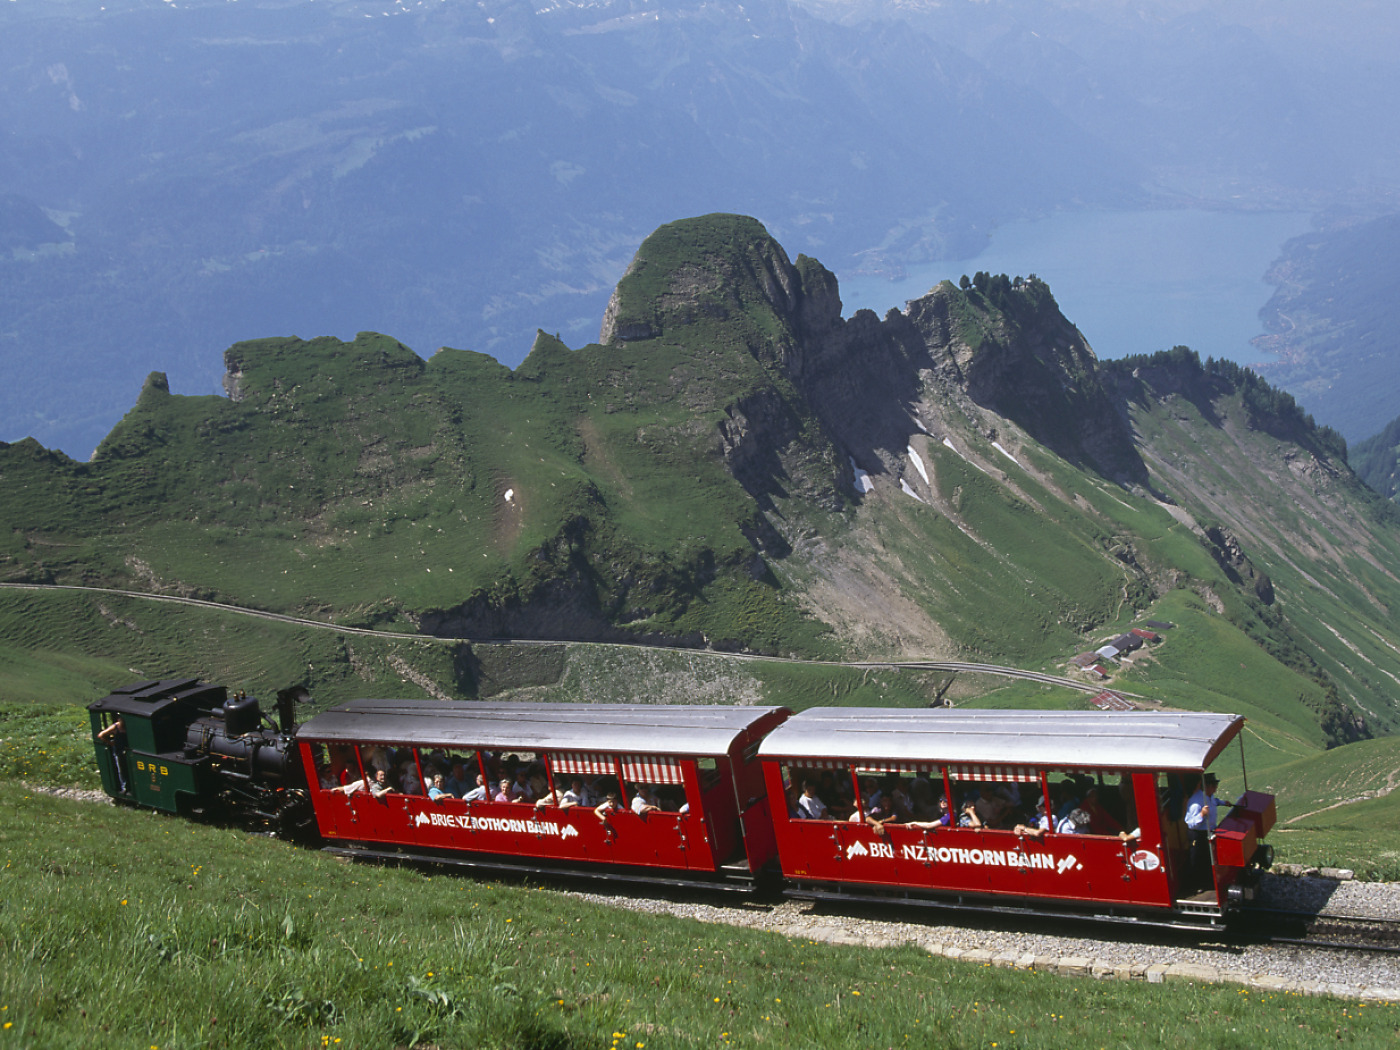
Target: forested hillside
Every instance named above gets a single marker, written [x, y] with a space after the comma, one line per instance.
[1377, 460]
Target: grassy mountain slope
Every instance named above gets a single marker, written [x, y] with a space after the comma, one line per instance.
[240, 942]
[735, 465]
[356, 480]
[1307, 549]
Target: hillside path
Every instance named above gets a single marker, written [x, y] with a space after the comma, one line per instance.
[879, 665]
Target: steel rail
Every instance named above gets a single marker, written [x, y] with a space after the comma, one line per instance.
[1385, 925]
[1337, 946]
[1323, 916]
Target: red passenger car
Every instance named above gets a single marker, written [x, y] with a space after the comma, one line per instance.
[546, 770]
[941, 806]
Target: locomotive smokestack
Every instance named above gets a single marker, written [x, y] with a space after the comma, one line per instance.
[287, 700]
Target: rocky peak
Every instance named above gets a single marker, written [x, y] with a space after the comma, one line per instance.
[713, 266]
[1000, 343]
[1012, 351]
[156, 384]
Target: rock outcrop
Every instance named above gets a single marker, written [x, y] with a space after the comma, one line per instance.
[869, 384]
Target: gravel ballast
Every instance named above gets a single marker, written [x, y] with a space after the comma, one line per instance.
[1085, 950]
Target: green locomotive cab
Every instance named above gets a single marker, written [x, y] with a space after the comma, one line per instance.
[145, 760]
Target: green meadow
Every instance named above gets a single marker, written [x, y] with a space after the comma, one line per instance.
[123, 928]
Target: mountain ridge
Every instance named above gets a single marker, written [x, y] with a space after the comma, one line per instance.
[736, 466]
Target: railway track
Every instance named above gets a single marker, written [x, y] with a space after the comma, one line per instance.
[1324, 931]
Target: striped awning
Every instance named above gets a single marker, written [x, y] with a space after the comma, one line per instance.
[583, 763]
[651, 769]
[996, 774]
[985, 773]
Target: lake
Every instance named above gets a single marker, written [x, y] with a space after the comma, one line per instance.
[1132, 281]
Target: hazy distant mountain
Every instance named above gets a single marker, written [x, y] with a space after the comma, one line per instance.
[457, 172]
[1252, 103]
[1376, 460]
[1333, 325]
[176, 177]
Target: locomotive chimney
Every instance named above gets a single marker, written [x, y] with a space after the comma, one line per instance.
[287, 700]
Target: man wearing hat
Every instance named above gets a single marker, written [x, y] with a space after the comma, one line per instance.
[1200, 826]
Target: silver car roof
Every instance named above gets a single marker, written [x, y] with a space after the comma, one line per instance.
[1053, 739]
[648, 729]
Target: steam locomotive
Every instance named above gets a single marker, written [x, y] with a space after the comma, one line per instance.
[183, 746]
[714, 795]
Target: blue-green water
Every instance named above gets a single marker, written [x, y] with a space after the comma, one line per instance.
[1134, 281]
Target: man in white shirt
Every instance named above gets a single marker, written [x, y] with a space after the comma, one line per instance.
[480, 793]
[809, 806]
[574, 795]
[520, 789]
[644, 802]
[1200, 807]
[1200, 826]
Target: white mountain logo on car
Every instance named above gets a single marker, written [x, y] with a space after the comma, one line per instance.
[1146, 860]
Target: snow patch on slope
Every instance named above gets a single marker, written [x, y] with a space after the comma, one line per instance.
[997, 445]
[918, 463]
[863, 482]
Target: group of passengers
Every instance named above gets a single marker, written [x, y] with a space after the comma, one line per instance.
[645, 799]
[445, 775]
[509, 778]
[1079, 804]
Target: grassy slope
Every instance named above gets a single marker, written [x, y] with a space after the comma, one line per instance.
[127, 928]
[1361, 836]
[1306, 522]
[1340, 808]
[1014, 559]
[357, 481]
[126, 638]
